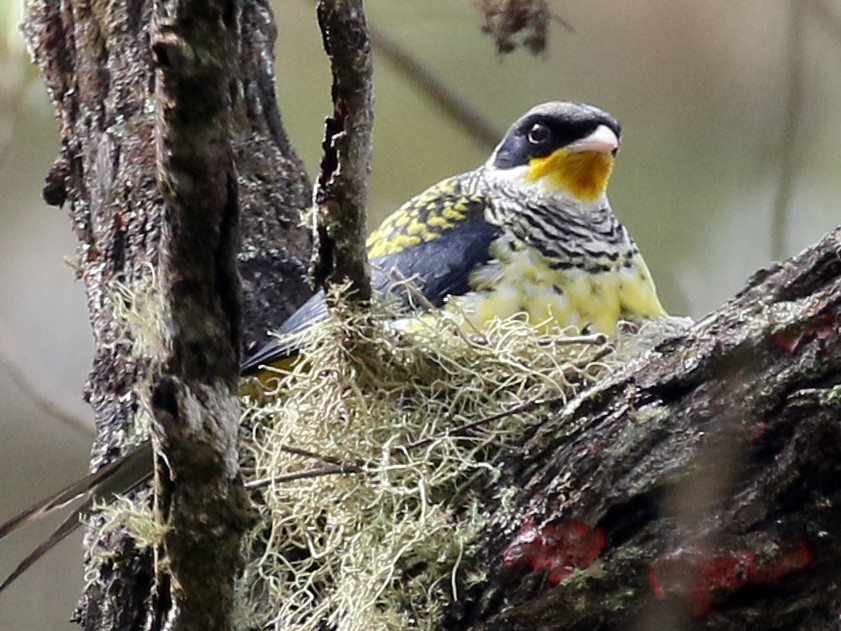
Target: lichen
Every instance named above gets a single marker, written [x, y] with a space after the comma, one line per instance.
[378, 546]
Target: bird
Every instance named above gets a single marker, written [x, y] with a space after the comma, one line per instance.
[529, 232]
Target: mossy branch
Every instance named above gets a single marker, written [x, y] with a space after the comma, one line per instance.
[146, 172]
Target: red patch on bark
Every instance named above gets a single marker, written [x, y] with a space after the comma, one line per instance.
[701, 575]
[561, 548]
[789, 558]
[822, 328]
[755, 431]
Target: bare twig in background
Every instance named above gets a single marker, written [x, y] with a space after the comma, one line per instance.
[478, 126]
[567, 25]
[826, 17]
[14, 86]
[341, 190]
[788, 149]
[38, 394]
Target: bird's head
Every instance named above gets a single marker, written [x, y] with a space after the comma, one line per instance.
[560, 148]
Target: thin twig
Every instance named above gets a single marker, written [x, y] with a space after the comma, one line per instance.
[297, 451]
[35, 391]
[341, 467]
[475, 123]
[563, 22]
[455, 431]
[300, 475]
[788, 151]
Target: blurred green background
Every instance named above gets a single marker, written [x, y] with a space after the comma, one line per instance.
[703, 89]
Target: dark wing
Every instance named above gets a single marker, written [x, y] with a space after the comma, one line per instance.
[437, 268]
[434, 240]
[312, 311]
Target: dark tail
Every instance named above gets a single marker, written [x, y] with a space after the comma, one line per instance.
[116, 478]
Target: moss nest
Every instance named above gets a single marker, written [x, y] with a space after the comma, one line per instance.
[369, 461]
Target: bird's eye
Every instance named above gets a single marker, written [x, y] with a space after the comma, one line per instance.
[538, 134]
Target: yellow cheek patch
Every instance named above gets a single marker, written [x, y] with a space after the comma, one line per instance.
[582, 173]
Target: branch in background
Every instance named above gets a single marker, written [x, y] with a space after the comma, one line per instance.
[788, 150]
[194, 398]
[471, 119]
[43, 397]
[341, 190]
[474, 122]
[826, 17]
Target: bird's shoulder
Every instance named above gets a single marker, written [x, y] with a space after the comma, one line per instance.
[454, 204]
[434, 241]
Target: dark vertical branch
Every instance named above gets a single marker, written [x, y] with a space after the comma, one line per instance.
[273, 188]
[192, 43]
[145, 171]
[342, 188]
[194, 401]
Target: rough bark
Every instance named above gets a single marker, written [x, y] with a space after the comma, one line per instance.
[710, 470]
[194, 394]
[136, 206]
[341, 194]
[273, 188]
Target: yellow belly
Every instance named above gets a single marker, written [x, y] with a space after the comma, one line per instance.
[551, 299]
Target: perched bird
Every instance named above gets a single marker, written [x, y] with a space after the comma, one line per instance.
[530, 231]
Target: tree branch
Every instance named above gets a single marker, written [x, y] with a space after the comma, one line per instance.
[195, 400]
[273, 188]
[341, 193]
[44, 396]
[706, 477]
[99, 71]
[477, 126]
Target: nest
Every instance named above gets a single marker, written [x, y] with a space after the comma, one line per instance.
[372, 459]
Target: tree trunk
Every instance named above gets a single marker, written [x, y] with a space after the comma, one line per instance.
[171, 142]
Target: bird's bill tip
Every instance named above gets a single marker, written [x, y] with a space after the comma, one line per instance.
[602, 140]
